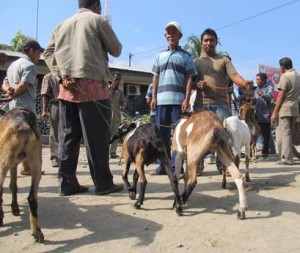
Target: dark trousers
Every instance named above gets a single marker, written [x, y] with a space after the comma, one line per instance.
[91, 121]
[265, 129]
[166, 115]
[53, 135]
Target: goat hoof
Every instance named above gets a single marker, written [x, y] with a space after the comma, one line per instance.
[137, 205]
[179, 211]
[247, 179]
[15, 211]
[241, 215]
[1, 223]
[224, 185]
[38, 236]
[132, 195]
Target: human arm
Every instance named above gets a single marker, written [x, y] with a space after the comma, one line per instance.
[49, 54]
[123, 102]
[240, 81]
[279, 102]
[109, 39]
[14, 92]
[186, 102]
[45, 102]
[153, 103]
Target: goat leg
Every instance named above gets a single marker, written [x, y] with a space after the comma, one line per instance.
[33, 204]
[140, 200]
[247, 177]
[174, 184]
[1, 209]
[131, 190]
[14, 190]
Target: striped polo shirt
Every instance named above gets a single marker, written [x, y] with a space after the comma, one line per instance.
[173, 68]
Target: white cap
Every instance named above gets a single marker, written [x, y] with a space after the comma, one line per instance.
[175, 24]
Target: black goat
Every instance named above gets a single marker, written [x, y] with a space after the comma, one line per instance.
[144, 146]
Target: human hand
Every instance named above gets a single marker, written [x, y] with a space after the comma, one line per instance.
[68, 83]
[248, 84]
[201, 84]
[153, 104]
[185, 106]
[273, 118]
[45, 116]
[261, 93]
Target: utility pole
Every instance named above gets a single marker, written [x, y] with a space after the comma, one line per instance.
[37, 20]
[130, 57]
[107, 12]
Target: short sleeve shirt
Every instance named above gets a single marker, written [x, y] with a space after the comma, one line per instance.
[290, 83]
[23, 70]
[50, 87]
[173, 68]
[215, 71]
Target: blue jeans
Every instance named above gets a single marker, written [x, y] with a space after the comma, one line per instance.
[166, 116]
[222, 112]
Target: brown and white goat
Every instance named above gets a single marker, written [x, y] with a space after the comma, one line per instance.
[192, 139]
[241, 138]
[144, 146]
[247, 113]
[20, 141]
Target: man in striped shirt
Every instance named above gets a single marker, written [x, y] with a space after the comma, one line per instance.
[172, 82]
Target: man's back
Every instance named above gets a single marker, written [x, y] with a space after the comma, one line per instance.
[78, 40]
[24, 70]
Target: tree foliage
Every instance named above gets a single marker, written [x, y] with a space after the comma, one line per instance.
[193, 46]
[16, 42]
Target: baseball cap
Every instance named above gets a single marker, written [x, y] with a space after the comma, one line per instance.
[175, 24]
[28, 44]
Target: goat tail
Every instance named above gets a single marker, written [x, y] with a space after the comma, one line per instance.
[222, 137]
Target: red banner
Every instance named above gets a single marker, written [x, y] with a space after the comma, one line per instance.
[273, 75]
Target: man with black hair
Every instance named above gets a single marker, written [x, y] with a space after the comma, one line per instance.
[118, 105]
[286, 110]
[263, 96]
[213, 71]
[20, 82]
[77, 54]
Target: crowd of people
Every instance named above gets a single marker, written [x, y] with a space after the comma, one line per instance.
[80, 104]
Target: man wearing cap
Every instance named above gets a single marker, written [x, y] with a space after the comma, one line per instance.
[172, 82]
[78, 54]
[20, 82]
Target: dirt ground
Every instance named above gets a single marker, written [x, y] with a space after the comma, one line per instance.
[90, 223]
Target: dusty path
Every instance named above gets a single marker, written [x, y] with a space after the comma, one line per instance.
[90, 223]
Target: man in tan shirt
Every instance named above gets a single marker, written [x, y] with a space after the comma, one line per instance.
[286, 109]
[213, 70]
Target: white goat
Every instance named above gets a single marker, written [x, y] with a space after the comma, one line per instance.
[241, 136]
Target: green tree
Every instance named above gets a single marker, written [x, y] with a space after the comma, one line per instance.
[4, 47]
[193, 46]
[17, 41]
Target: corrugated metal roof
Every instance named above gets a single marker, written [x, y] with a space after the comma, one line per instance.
[111, 65]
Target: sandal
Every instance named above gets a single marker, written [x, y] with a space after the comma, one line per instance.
[28, 173]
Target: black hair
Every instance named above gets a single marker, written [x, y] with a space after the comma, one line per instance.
[262, 75]
[31, 44]
[286, 63]
[87, 3]
[210, 31]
